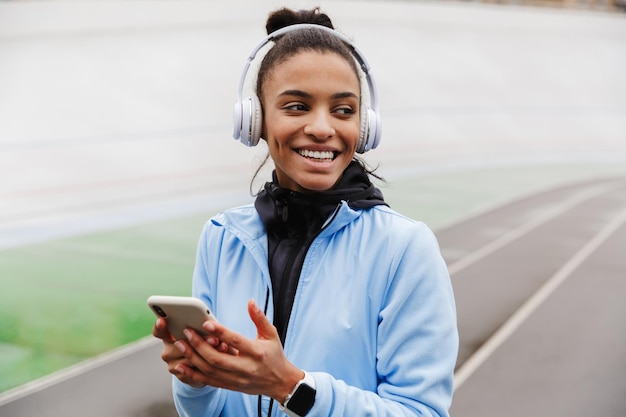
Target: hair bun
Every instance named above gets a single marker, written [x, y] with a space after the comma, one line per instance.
[287, 17]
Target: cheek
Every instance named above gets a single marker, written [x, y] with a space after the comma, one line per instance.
[279, 133]
[277, 142]
[353, 133]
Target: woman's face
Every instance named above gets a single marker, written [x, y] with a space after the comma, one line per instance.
[311, 119]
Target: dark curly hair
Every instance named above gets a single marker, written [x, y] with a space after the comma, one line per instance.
[292, 43]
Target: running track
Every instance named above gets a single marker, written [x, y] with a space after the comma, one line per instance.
[539, 284]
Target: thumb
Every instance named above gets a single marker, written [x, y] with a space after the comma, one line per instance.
[265, 329]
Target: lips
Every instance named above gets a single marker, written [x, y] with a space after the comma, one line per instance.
[317, 155]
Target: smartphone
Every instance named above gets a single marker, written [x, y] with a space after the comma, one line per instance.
[181, 313]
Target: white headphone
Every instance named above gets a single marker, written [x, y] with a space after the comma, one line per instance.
[247, 115]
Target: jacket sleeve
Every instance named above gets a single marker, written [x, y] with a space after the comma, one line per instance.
[196, 402]
[206, 401]
[417, 340]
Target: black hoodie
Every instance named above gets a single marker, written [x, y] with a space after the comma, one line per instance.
[293, 220]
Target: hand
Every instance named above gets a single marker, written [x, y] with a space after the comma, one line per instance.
[173, 356]
[252, 366]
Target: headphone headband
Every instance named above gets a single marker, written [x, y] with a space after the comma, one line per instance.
[246, 122]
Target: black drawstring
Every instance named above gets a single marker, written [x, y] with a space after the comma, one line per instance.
[267, 300]
[260, 401]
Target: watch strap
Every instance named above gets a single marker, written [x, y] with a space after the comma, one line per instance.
[301, 399]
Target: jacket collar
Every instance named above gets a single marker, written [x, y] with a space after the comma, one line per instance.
[274, 203]
[344, 204]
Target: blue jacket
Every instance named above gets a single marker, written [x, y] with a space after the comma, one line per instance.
[373, 319]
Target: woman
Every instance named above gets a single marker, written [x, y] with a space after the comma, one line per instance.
[356, 314]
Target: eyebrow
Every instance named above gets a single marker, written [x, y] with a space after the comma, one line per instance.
[304, 94]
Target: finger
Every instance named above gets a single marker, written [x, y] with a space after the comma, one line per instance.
[188, 375]
[174, 359]
[171, 353]
[205, 365]
[218, 344]
[197, 351]
[265, 329]
[223, 359]
[160, 331]
[213, 341]
[224, 348]
[233, 340]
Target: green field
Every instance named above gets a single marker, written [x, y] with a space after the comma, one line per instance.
[67, 300]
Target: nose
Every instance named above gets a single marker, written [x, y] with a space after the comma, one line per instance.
[319, 125]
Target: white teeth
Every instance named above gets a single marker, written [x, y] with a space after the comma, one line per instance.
[316, 154]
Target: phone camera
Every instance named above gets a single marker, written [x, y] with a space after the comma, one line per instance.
[159, 311]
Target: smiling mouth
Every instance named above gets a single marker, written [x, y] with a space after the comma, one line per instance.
[322, 156]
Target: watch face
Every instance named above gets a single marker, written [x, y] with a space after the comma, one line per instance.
[302, 400]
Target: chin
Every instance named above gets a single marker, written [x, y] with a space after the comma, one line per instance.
[318, 186]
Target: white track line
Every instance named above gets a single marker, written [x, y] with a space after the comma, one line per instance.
[518, 318]
[527, 227]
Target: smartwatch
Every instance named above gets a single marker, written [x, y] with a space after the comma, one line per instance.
[301, 399]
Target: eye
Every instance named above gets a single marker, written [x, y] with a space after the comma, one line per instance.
[344, 110]
[298, 107]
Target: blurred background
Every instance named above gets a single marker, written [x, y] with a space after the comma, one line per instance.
[116, 146]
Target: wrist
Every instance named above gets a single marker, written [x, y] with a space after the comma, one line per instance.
[301, 398]
[289, 384]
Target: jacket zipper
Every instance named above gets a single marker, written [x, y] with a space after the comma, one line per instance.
[308, 244]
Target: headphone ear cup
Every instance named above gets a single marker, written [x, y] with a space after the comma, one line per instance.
[370, 131]
[256, 120]
[375, 129]
[237, 119]
[251, 121]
